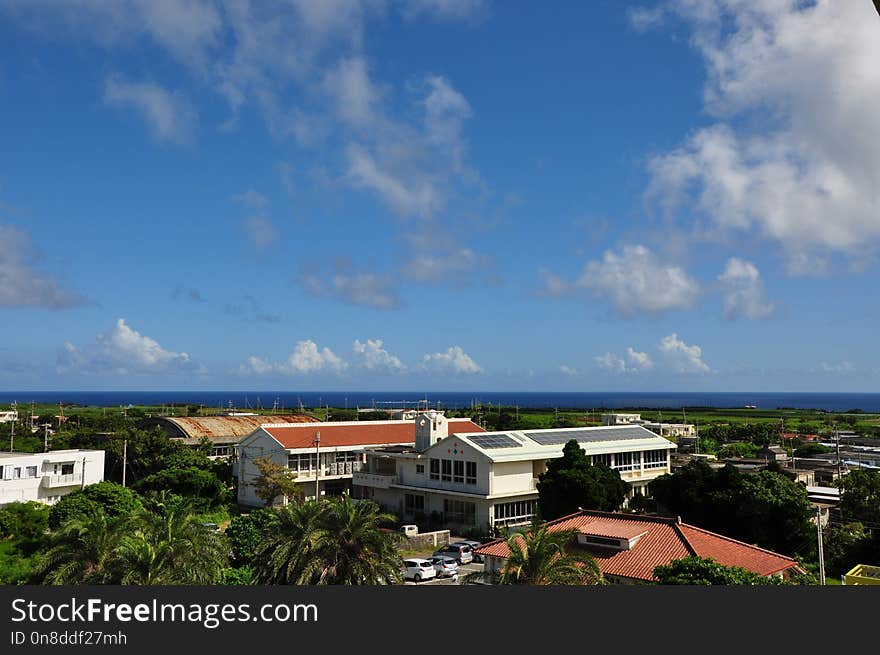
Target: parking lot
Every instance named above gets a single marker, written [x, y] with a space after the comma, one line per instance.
[473, 567]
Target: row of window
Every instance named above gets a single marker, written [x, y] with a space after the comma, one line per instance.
[413, 504]
[19, 472]
[520, 509]
[459, 512]
[649, 459]
[449, 470]
[308, 461]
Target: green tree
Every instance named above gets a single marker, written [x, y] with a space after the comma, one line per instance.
[543, 556]
[202, 486]
[274, 481]
[24, 521]
[245, 533]
[571, 482]
[111, 498]
[860, 500]
[82, 551]
[706, 571]
[168, 545]
[329, 542]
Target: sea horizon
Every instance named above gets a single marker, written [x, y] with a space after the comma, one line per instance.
[290, 400]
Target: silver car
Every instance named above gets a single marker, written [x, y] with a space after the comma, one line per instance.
[445, 566]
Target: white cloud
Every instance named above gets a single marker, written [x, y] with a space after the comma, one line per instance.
[743, 291]
[633, 362]
[805, 173]
[838, 367]
[435, 267]
[21, 285]
[643, 19]
[681, 357]
[357, 288]
[123, 351]
[169, 116]
[446, 9]
[261, 232]
[372, 356]
[352, 92]
[568, 370]
[634, 280]
[454, 360]
[305, 358]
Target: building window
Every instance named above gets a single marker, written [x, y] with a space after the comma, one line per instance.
[302, 463]
[516, 512]
[655, 459]
[420, 469]
[67, 469]
[16, 473]
[447, 470]
[414, 504]
[435, 469]
[31, 471]
[626, 461]
[458, 471]
[604, 460]
[459, 512]
[471, 473]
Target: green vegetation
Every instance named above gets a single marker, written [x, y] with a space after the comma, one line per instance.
[274, 481]
[110, 498]
[706, 571]
[572, 482]
[766, 508]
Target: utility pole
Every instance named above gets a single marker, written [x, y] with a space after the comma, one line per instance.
[46, 437]
[124, 459]
[317, 465]
[821, 549]
[83, 485]
[12, 435]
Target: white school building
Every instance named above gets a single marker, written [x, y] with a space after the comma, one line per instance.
[45, 477]
[489, 479]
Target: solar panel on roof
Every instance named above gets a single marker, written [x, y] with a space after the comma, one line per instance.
[559, 437]
[489, 441]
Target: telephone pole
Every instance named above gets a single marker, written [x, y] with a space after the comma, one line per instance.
[83, 485]
[124, 459]
[317, 465]
[821, 549]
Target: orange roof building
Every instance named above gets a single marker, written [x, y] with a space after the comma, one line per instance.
[628, 547]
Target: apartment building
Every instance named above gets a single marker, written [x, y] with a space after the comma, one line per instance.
[45, 477]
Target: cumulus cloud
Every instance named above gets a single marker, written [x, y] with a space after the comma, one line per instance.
[123, 351]
[21, 285]
[169, 115]
[743, 291]
[454, 360]
[306, 358]
[357, 288]
[373, 357]
[634, 280]
[805, 174]
[632, 362]
[681, 357]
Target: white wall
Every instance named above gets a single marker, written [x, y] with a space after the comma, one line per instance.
[257, 445]
[48, 485]
[511, 477]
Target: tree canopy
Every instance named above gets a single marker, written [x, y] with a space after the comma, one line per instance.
[572, 481]
[111, 498]
[706, 571]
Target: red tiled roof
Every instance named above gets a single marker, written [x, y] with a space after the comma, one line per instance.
[665, 539]
[358, 433]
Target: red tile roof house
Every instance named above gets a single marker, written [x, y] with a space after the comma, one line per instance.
[628, 547]
[341, 451]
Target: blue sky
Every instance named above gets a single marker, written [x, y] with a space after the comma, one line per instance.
[439, 195]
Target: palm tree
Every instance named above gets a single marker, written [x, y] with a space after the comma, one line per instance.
[540, 557]
[356, 551]
[82, 551]
[170, 546]
[288, 553]
[335, 541]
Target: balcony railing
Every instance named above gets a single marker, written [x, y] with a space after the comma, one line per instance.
[67, 480]
[374, 480]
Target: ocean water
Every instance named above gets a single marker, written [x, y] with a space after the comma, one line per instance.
[868, 402]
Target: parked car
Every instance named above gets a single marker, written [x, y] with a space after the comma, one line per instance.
[445, 566]
[461, 553]
[419, 569]
[473, 546]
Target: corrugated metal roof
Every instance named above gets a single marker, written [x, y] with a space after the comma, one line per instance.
[198, 427]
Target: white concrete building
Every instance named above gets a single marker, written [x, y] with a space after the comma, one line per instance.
[674, 430]
[488, 479]
[45, 477]
[329, 463]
